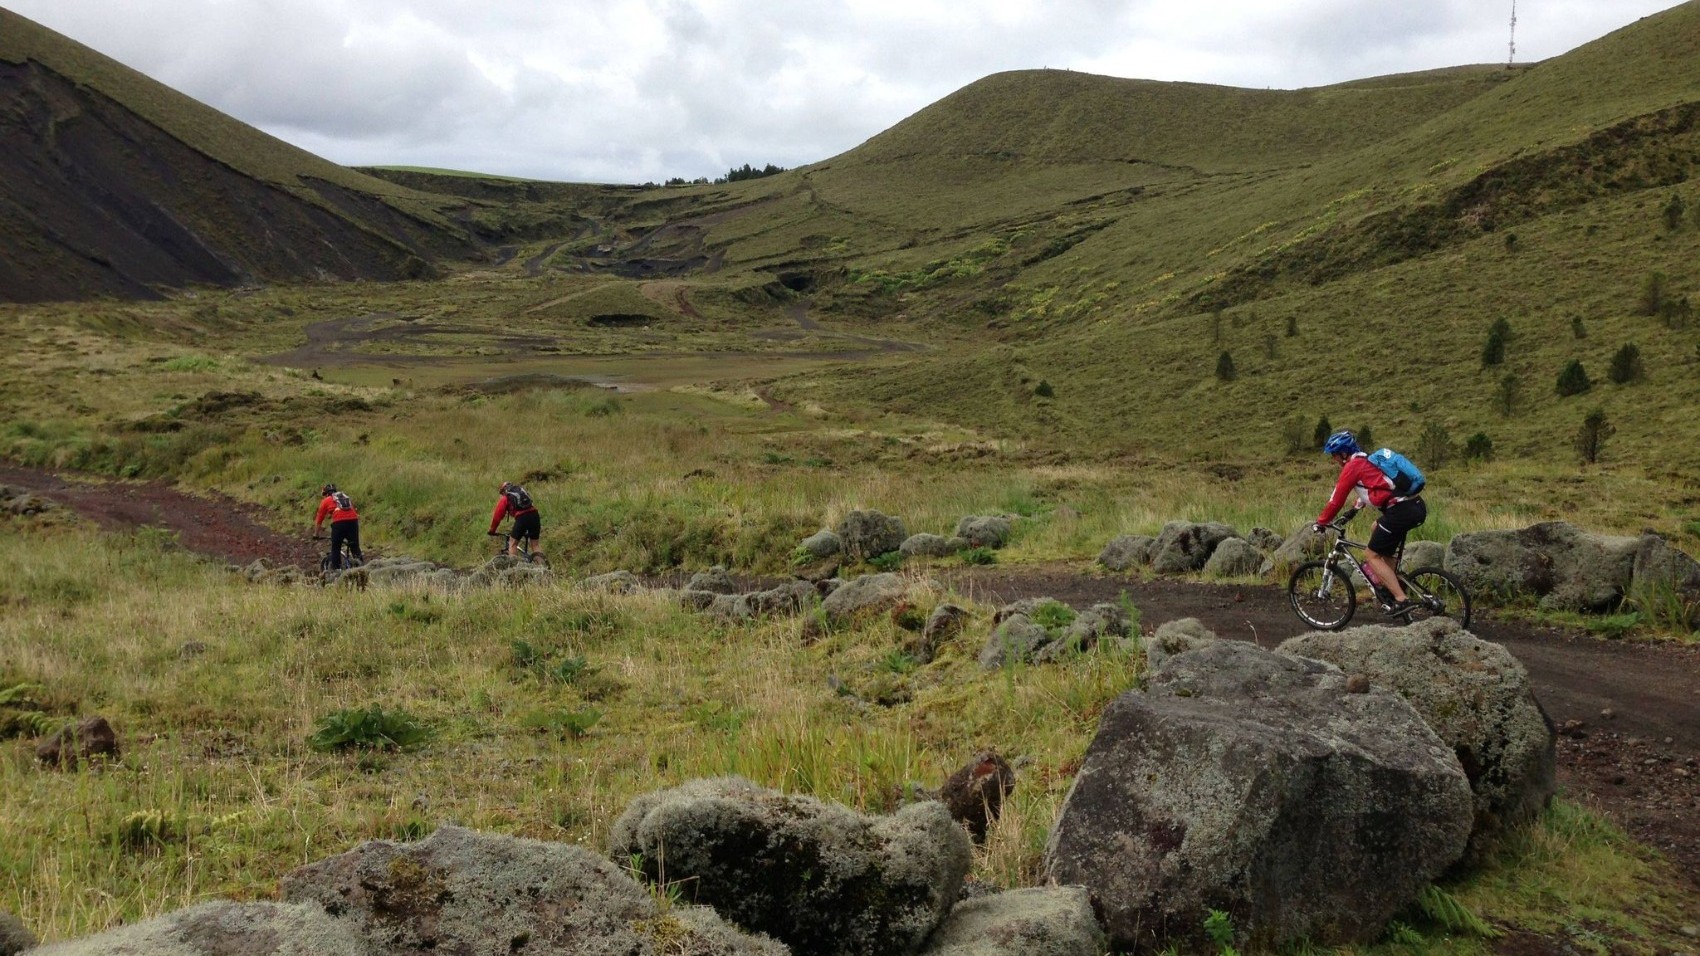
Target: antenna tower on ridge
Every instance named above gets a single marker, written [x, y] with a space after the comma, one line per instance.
[1511, 57]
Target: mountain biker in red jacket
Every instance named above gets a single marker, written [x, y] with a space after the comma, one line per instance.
[512, 501]
[1398, 514]
[345, 524]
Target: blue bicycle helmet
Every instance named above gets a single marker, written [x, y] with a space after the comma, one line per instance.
[1341, 441]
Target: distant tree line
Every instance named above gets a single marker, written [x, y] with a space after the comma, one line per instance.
[733, 175]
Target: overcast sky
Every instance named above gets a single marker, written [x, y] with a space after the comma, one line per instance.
[643, 90]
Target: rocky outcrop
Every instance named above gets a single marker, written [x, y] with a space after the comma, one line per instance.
[985, 531]
[1233, 558]
[89, 739]
[1474, 695]
[869, 534]
[15, 937]
[817, 876]
[1185, 546]
[1127, 551]
[1255, 783]
[1176, 637]
[925, 545]
[863, 596]
[480, 894]
[1566, 568]
[974, 794]
[1040, 921]
[1042, 630]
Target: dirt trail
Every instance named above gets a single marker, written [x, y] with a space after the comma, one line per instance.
[1629, 711]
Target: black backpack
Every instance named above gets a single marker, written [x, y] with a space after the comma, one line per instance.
[518, 500]
[342, 501]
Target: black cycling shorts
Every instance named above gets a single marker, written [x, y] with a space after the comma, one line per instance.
[1394, 524]
[527, 526]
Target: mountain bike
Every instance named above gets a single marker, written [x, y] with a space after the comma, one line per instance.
[525, 553]
[1324, 593]
[349, 561]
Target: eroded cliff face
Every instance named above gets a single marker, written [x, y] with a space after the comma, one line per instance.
[97, 201]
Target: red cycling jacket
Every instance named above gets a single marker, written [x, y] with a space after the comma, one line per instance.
[503, 507]
[1357, 472]
[328, 507]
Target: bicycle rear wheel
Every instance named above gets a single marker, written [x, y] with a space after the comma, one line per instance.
[1322, 596]
[1436, 593]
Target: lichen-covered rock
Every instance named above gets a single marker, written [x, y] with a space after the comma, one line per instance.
[1264, 539]
[1016, 638]
[1234, 557]
[478, 894]
[824, 543]
[1423, 554]
[223, 928]
[868, 594]
[1474, 695]
[614, 582]
[1100, 622]
[869, 534]
[1567, 568]
[823, 879]
[1664, 577]
[1300, 546]
[15, 937]
[1127, 551]
[1036, 921]
[1176, 637]
[925, 545]
[716, 580]
[985, 531]
[974, 794]
[942, 624]
[1185, 546]
[1255, 783]
[786, 599]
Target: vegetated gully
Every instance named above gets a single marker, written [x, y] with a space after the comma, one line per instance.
[1628, 711]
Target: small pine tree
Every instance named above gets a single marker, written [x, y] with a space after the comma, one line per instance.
[1626, 365]
[1216, 326]
[1493, 352]
[1365, 437]
[1673, 212]
[1320, 433]
[1577, 329]
[1653, 293]
[1225, 367]
[1044, 390]
[1269, 341]
[1478, 447]
[1292, 326]
[1574, 379]
[1508, 394]
[1293, 432]
[1591, 437]
[1434, 445]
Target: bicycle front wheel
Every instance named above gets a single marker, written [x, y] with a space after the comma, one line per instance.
[1322, 596]
[1436, 593]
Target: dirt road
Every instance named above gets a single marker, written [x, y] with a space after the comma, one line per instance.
[1629, 712]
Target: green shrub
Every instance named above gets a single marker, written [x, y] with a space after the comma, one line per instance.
[371, 728]
[1493, 351]
[1478, 447]
[1574, 379]
[1626, 365]
[1673, 212]
[1320, 433]
[1577, 329]
[889, 561]
[1653, 292]
[1434, 445]
[1053, 616]
[979, 556]
[1508, 394]
[1225, 368]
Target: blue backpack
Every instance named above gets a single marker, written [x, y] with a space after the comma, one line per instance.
[1407, 478]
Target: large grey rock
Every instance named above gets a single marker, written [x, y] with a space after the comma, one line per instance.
[1423, 554]
[1100, 622]
[614, 582]
[824, 543]
[716, 580]
[1300, 546]
[868, 594]
[869, 534]
[1037, 921]
[1176, 637]
[818, 876]
[1256, 783]
[1015, 639]
[1264, 540]
[985, 531]
[477, 894]
[1474, 695]
[786, 599]
[1566, 568]
[943, 624]
[1665, 577]
[1185, 546]
[925, 545]
[89, 739]
[1127, 551]
[1041, 630]
[223, 928]
[15, 937]
[1233, 558]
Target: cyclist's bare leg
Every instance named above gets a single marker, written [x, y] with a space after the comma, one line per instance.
[1383, 569]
